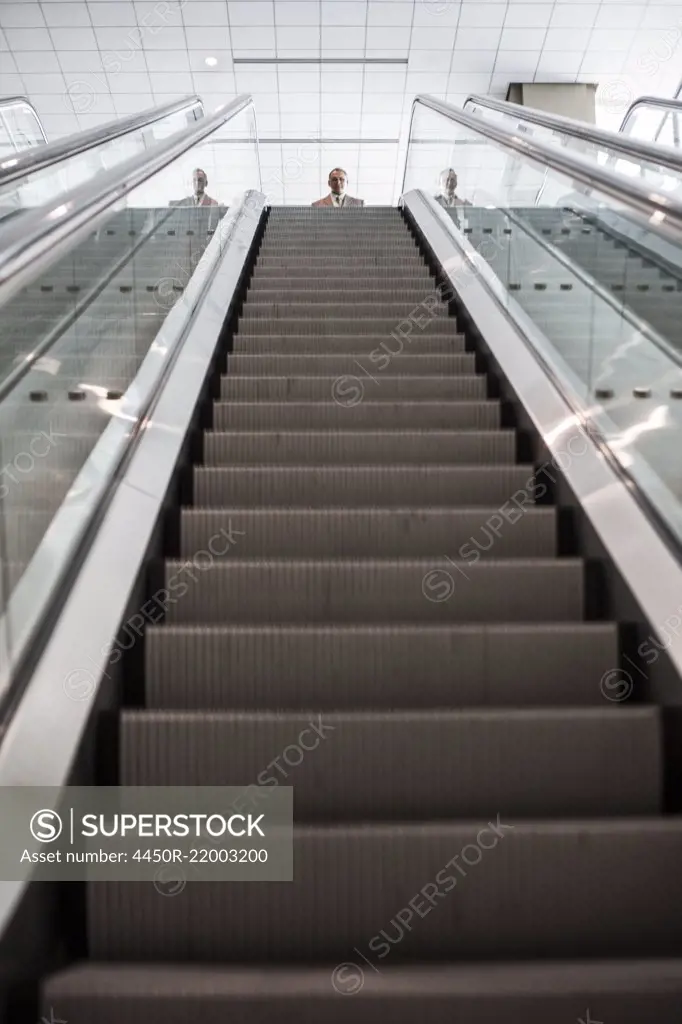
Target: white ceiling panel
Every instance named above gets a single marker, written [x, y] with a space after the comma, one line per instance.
[84, 61]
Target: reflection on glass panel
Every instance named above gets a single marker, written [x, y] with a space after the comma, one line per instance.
[42, 185]
[595, 285]
[72, 343]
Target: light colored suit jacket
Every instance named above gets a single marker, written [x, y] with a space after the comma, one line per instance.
[191, 201]
[348, 201]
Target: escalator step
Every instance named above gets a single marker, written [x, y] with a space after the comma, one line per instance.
[590, 888]
[410, 765]
[326, 363]
[363, 532]
[381, 389]
[476, 993]
[364, 447]
[358, 590]
[359, 486]
[339, 667]
[330, 415]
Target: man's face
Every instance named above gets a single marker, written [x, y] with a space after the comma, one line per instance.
[337, 182]
[200, 182]
[451, 182]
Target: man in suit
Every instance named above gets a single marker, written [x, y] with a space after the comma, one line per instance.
[337, 194]
[200, 197]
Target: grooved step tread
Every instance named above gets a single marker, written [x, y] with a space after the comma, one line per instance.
[362, 532]
[345, 667]
[374, 590]
[535, 992]
[412, 765]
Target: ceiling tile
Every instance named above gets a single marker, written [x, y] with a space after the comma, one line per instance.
[379, 103]
[477, 38]
[432, 38]
[602, 63]
[64, 15]
[179, 81]
[131, 61]
[568, 62]
[54, 84]
[210, 39]
[473, 60]
[468, 83]
[121, 13]
[476, 15]
[154, 15]
[250, 12]
[609, 40]
[429, 60]
[343, 38]
[302, 102]
[167, 38]
[300, 37]
[574, 15]
[394, 13]
[299, 81]
[294, 12]
[33, 63]
[77, 60]
[522, 38]
[395, 37]
[426, 82]
[567, 39]
[526, 15]
[267, 122]
[384, 81]
[348, 103]
[518, 62]
[347, 12]
[28, 39]
[168, 60]
[73, 39]
[23, 15]
[211, 84]
[205, 12]
[127, 83]
[249, 80]
[444, 14]
[622, 16]
[247, 38]
[132, 103]
[666, 16]
[342, 80]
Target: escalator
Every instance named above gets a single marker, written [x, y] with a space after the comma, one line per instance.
[410, 573]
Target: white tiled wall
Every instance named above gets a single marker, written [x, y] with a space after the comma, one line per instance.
[87, 61]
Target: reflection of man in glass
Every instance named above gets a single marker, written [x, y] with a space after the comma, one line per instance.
[448, 190]
[200, 197]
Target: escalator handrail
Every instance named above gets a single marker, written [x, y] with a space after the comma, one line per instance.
[661, 210]
[651, 153]
[39, 236]
[673, 105]
[16, 167]
[22, 101]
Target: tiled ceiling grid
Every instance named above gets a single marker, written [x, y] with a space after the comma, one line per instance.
[82, 63]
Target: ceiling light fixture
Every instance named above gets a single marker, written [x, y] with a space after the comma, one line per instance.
[211, 61]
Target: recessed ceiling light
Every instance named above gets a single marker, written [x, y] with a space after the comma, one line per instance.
[211, 61]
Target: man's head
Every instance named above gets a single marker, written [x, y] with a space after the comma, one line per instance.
[337, 181]
[200, 181]
[448, 181]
